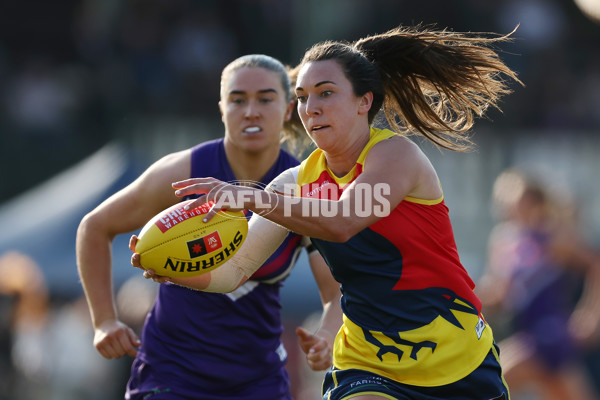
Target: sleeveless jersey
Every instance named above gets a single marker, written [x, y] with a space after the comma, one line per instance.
[410, 313]
[209, 345]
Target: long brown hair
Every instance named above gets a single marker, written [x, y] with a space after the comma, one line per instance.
[427, 82]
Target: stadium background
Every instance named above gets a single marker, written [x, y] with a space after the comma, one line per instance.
[92, 91]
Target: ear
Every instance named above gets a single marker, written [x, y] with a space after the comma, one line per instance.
[289, 111]
[366, 101]
[221, 109]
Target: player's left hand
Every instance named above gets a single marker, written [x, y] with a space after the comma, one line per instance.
[318, 349]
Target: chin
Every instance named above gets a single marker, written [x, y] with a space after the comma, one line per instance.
[322, 142]
[258, 146]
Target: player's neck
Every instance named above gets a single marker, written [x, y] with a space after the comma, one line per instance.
[251, 166]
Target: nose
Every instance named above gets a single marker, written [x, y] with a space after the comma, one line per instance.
[252, 109]
[311, 106]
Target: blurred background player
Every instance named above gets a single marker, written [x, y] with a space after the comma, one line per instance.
[537, 259]
[205, 345]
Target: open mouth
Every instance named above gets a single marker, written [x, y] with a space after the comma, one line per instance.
[251, 130]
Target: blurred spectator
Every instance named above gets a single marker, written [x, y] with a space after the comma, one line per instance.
[25, 296]
[42, 103]
[535, 254]
[199, 44]
[45, 344]
[197, 49]
[39, 104]
[542, 22]
[6, 371]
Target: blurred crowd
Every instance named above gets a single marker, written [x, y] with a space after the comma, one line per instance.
[77, 74]
[46, 341]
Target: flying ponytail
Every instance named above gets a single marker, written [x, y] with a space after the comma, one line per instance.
[427, 82]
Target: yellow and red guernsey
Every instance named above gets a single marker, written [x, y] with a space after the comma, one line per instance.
[410, 312]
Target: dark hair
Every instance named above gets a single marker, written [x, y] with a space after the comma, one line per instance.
[293, 132]
[427, 81]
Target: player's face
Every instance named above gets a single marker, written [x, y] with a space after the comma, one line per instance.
[253, 108]
[333, 116]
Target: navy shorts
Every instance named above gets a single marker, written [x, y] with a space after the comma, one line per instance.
[144, 384]
[485, 383]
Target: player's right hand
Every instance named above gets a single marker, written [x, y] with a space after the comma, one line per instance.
[114, 339]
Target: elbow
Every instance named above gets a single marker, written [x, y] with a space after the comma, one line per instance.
[338, 232]
[340, 237]
[86, 225]
[93, 226]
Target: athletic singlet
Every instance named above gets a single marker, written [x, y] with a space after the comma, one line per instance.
[209, 345]
[410, 313]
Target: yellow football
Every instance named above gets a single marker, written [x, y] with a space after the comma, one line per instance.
[177, 243]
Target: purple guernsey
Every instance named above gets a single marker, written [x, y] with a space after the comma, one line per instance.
[218, 346]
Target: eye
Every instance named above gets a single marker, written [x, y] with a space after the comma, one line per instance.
[301, 99]
[237, 100]
[266, 100]
[326, 93]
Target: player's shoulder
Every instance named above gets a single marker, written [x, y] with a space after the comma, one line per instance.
[176, 159]
[207, 146]
[287, 159]
[169, 168]
[397, 142]
[394, 152]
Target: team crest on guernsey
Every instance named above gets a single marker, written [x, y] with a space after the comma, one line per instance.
[204, 245]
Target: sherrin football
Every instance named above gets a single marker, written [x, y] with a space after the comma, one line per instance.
[177, 243]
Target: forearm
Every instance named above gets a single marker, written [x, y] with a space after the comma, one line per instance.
[224, 279]
[264, 237]
[324, 219]
[331, 319]
[330, 294]
[94, 268]
[334, 220]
